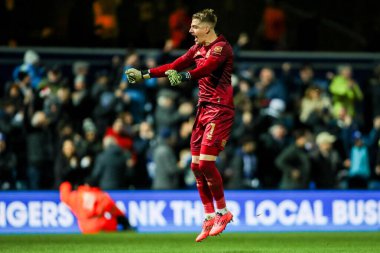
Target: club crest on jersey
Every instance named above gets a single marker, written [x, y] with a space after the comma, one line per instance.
[218, 50]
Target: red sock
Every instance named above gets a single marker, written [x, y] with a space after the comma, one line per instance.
[203, 189]
[214, 181]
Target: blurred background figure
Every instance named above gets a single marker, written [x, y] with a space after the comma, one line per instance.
[359, 168]
[31, 65]
[67, 165]
[179, 24]
[295, 163]
[315, 109]
[375, 180]
[143, 144]
[242, 172]
[95, 210]
[266, 88]
[40, 147]
[345, 92]
[272, 30]
[271, 144]
[8, 166]
[166, 173]
[111, 166]
[326, 163]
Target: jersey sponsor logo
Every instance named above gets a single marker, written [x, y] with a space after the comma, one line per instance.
[218, 50]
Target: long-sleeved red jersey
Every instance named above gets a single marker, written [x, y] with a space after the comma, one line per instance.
[214, 64]
[94, 208]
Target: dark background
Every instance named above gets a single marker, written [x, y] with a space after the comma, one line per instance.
[324, 25]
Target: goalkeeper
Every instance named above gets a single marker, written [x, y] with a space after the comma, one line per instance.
[212, 55]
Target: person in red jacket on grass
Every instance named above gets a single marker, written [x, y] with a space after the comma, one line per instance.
[94, 209]
[213, 57]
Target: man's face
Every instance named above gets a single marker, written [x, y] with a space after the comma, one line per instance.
[199, 31]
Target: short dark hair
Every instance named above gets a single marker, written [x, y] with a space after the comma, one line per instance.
[206, 15]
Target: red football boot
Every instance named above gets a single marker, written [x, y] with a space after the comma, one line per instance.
[206, 228]
[220, 223]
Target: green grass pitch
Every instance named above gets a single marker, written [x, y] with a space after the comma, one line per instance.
[366, 242]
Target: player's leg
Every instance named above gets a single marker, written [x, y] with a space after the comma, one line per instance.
[202, 186]
[203, 189]
[206, 198]
[214, 180]
[215, 136]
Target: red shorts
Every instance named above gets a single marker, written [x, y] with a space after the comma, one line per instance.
[212, 127]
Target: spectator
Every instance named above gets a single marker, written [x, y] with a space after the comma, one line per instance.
[267, 88]
[373, 140]
[184, 135]
[90, 146]
[272, 29]
[39, 151]
[15, 96]
[179, 23]
[59, 106]
[8, 166]
[82, 102]
[375, 178]
[107, 101]
[94, 208]
[142, 145]
[372, 95]
[345, 92]
[166, 115]
[11, 125]
[53, 80]
[31, 66]
[242, 171]
[133, 96]
[315, 109]
[325, 162]
[67, 165]
[24, 82]
[244, 125]
[241, 96]
[119, 132]
[306, 79]
[166, 174]
[274, 113]
[295, 164]
[110, 166]
[359, 171]
[271, 144]
[81, 68]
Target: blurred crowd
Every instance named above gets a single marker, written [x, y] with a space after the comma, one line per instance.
[293, 129]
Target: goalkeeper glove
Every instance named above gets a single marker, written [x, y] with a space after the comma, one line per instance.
[175, 78]
[135, 75]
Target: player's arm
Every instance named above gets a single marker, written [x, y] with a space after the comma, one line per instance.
[65, 190]
[183, 62]
[111, 207]
[216, 58]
